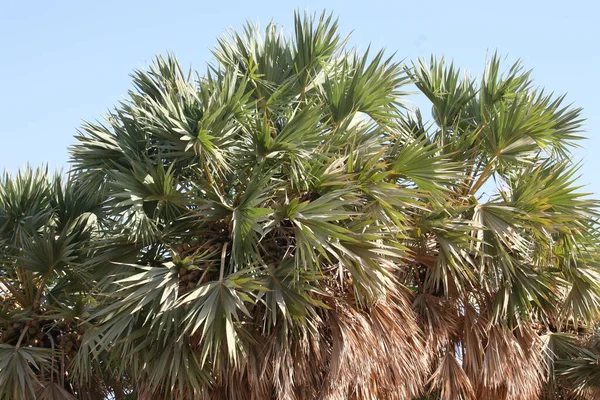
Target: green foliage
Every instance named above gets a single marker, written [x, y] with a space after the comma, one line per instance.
[284, 227]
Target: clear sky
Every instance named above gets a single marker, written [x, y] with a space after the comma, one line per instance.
[65, 61]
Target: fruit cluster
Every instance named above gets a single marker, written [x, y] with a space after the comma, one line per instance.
[40, 332]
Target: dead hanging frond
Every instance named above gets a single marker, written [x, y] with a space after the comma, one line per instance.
[451, 380]
[286, 364]
[378, 354]
[438, 318]
[474, 327]
[513, 367]
[347, 353]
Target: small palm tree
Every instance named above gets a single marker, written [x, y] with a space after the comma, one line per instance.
[46, 227]
[285, 227]
[505, 261]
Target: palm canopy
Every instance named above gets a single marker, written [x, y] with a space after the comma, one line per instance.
[283, 226]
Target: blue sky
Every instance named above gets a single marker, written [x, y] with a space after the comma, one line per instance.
[65, 61]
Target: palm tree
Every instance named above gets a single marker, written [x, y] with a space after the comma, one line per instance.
[265, 223]
[506, 261]
[285, 226]
[47, 225]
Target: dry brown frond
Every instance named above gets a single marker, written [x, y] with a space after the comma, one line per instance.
[439, 319]
[512, 367]
[376, 355]
[350, 353]
[451, 379]
[473, 332]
